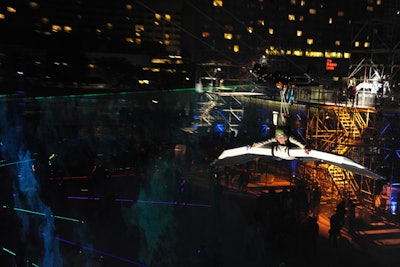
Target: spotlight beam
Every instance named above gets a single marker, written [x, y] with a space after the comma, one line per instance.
[44, 214]
[15, 162]
[15, 254]
[141, 201]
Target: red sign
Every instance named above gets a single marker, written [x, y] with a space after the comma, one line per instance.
[330, 65]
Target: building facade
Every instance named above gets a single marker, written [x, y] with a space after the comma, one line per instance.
[297, 36]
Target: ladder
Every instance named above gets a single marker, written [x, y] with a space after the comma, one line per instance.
[340, 139]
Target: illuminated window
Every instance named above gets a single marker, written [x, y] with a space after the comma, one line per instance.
[337, 43]
[340, 13]
[109, 25]
[293, 2]
[168, 17]
[260, 22]
[301, 18]
[334, 54]
[314, 54]
[217, 2]
[167, 42]
[303, 3]
[357, 44]
[228, 36]
[299, 33]
[157, 16]
[167, 36]
[56, 28]
[205, 34]
[138, 41]
[11, 9]
[312, 11]
[308, 53]
[156, 23]
[128, 7]
[291, 17]
[143, 81]
[236, 48]
[370, 8]
[129, 40]
[33, 4]
[139, 28]
[2, 16]
[310, 41]
[250, 29]
[298, 53]
[137, 34]
[67, 29]
[271, 31]
[366, 44]
[378, 2]
[330, 21]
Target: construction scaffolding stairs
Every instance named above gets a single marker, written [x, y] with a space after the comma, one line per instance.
[205, 117]
[341, 139]
[221, 108]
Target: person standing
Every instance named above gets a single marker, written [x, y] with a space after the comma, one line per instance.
[341, 212]
[334, 230]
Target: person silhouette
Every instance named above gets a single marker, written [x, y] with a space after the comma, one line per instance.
[341, 212]
[334, 230]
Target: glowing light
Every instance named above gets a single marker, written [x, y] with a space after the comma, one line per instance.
[275, 117]
[16, 162]
[15, 254]
[44, 214]
[9, 251]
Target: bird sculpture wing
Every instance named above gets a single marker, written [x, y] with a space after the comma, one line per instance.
[245, 154]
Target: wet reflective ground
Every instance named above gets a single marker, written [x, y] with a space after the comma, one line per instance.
[58, 209]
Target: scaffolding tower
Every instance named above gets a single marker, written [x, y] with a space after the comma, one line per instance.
[217, 89]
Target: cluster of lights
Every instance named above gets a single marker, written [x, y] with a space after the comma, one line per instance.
[307, 53]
